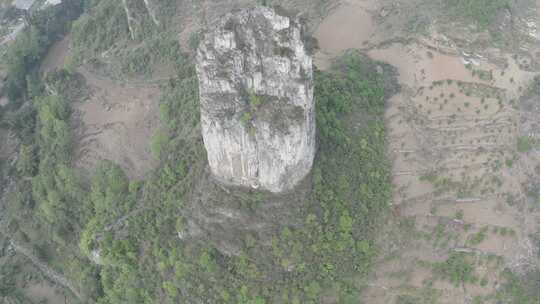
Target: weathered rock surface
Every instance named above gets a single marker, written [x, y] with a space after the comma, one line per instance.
[257, 109]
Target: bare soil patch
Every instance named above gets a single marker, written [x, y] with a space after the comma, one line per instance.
[348, 26]
[44, 292]
[56, 56]
[117, 123]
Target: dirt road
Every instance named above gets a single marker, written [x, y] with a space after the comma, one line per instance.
[46, 270]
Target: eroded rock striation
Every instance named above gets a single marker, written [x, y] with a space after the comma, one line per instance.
[257, 109]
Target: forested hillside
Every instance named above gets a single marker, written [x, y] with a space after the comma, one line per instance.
[423, 189]
[118, 240]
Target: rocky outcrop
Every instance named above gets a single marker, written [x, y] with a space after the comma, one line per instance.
[257, 109]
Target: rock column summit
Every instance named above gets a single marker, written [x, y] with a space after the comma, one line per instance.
[256, 95]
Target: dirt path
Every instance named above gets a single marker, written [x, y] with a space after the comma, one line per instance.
[46, 270]
[457, 174]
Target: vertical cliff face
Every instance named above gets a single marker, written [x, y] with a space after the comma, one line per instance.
[257, 109]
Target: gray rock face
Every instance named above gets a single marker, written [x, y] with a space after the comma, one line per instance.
[257, 109]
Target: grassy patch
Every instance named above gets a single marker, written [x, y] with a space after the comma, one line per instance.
[534, 88]
[99, 29]
[525, 144]
[481, 12]
[478, 237]
[456, 269]
[162, 49]
[425, 295]
[520, 289]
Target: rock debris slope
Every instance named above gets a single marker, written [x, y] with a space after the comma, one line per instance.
[257, 109]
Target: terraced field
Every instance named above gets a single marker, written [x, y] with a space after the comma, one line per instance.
[462, 215]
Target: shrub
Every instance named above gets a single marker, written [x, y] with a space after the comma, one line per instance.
[524, 144]
[98, 31]
[456, 269]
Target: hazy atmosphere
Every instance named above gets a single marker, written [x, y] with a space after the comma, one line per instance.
[270, 151]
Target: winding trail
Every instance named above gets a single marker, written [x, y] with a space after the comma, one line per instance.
[46, 270]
